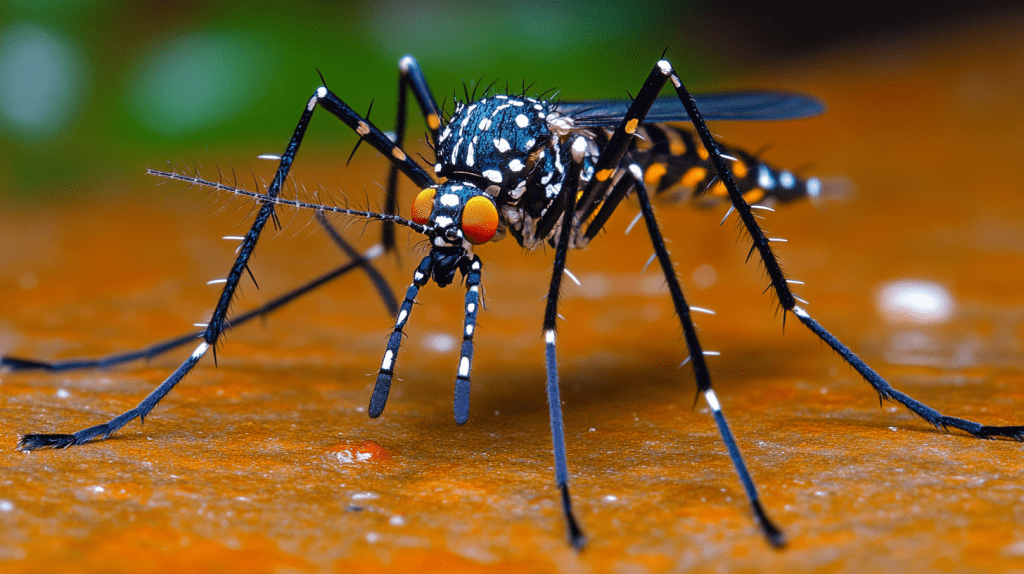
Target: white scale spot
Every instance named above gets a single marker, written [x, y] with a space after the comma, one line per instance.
[443, 221]
[516, 103]
[529, 145]
[471, 308]
[709, 395]
[485, 124]
[522, 121]
[469, 155]
[455, 150]
[764, 177]
[402, 316]
[464, 367]
[450, 200]
[580, 145]
[493, 175]
[321, 92]
[813, 187]
[786, 180]
[444, 135]
[388, 358]
[501, 144]
[538, 107]
[469, 330]
[516, 165]
[200, 350]
[549, 336]
[437, 168]
[909, 301]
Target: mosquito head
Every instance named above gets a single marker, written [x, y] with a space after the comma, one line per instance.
[457, 216]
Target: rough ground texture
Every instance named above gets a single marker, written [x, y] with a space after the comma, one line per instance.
[269, 462]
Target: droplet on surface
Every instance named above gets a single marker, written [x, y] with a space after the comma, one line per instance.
[366, 451]
[909, 301]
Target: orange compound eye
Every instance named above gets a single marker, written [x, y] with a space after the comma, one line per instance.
[479, 220]
[423, 206]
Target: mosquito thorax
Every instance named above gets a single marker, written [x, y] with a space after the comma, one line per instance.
[499, 141]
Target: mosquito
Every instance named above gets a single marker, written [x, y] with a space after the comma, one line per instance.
[546, 173]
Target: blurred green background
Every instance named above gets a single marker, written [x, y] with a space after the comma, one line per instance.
[91, 93]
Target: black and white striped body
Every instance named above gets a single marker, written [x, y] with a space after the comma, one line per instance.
[514, 149]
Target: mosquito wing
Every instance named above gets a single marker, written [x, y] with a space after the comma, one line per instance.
[739, 106]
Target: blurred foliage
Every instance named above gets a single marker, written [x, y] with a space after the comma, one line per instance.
[90, 92]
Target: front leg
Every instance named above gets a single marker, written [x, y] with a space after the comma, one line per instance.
[461, 404]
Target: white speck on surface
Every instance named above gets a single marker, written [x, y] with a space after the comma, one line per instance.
[910, 301]
[595, 286]
[96, 489]
[364, 496]
[611, 498]
[397, 520]
[704, 276]
[372, 537]
[439, 342]
[28, 281]
[6, 506]
[62, 394]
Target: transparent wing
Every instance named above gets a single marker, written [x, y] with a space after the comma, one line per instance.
[738, 106]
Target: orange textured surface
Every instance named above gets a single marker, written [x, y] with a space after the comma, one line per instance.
[269, 462]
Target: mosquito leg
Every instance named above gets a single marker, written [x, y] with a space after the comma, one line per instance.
[383, 289]
[461, 404]
[571, 182]
[410, 76]
[607, 163]
[700, 369]
[788, 301]
[157, 349]
[607, 207]
[387, 367]
[218, 321]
